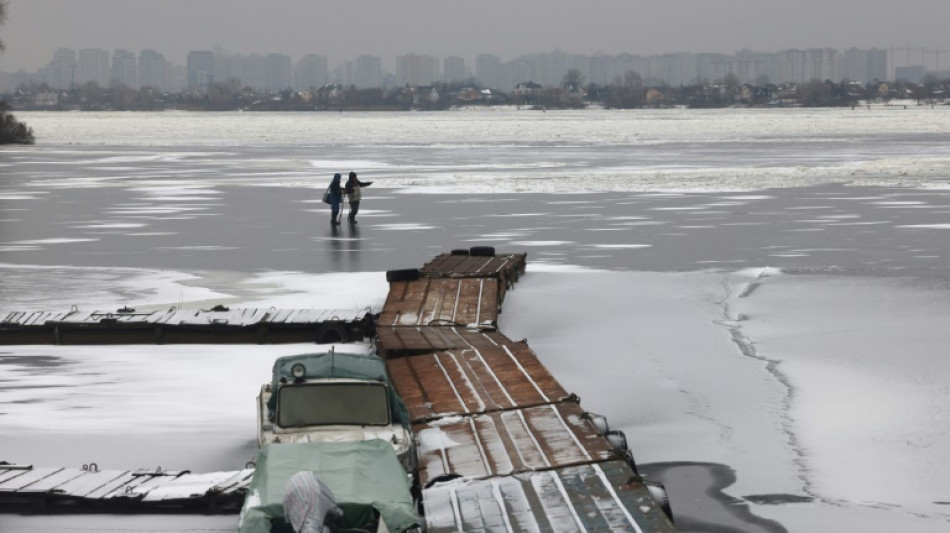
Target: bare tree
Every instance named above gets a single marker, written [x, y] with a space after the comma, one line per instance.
[573, 81]
[3, 17]
[11, 130]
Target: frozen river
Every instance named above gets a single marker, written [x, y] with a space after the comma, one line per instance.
[758, 298]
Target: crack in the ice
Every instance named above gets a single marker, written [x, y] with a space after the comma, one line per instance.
[733, 323]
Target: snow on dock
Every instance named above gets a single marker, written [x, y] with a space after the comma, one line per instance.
[499, 442]
[177, 326]
[23, 487]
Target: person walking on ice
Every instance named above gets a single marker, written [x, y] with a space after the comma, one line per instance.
[354, 195]
[334, 197]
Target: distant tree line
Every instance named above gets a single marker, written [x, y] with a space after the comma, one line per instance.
[629, 91]
[12, 131]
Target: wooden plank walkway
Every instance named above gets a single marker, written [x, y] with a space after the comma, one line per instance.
[44, 489]
[177, 326]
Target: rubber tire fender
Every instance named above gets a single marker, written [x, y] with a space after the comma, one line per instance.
[441, 478]
[482, 251]
[658, 491]
[617, 439]
[331, 333]
[407, 274]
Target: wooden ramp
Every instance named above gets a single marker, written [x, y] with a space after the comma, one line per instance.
[24, 487]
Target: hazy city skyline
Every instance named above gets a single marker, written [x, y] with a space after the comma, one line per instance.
[342, 31]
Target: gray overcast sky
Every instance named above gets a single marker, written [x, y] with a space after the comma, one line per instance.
[344, 29]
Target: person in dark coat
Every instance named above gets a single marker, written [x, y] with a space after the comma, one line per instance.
[354, 195]
[336, 197]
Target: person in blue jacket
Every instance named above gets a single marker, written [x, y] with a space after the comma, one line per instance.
[336, 198]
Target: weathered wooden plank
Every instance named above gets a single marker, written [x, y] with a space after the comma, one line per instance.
[116, 484]
[190, 486]
[473, 380]
[7, 474]
[592, 497]
[128, 491]
[24, 478]
[126, 326]
[50, 482]
[238, 482]
[507, 442]
[142, 483]
[89, 481]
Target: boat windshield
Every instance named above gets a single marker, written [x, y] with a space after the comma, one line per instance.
[363, 404]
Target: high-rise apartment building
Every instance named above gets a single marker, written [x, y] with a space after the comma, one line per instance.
[255, 71]
[453, 69]
[413, 69]
[153, 70]
[864, 65]
[61, 71]
[488, 70]
[278, 72]
[200, 70]
[125, 70]
[367, 72]
[311, 72]
[94, 67]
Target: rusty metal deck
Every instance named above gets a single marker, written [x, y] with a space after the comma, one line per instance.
[505, 268]
[40, 489]
[508, 267]
[592, 497]
[472, 380]
[441, 302]
[405, 341]
[507, 442]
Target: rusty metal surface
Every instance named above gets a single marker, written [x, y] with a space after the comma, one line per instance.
[506, 266]
[441, 302]
[592, 497]
[508, 442]
[402, 341]
[474, 379]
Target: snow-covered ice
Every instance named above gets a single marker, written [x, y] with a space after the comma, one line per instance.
[773, 355]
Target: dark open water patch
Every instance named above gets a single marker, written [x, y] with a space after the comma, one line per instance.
[777, 499]
[699, 504]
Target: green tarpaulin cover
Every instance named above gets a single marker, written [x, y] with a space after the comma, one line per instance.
[364, 473]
